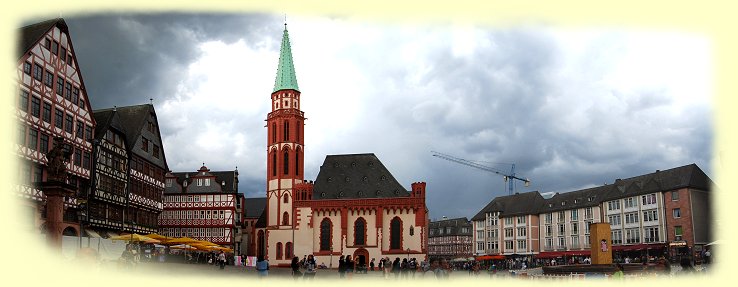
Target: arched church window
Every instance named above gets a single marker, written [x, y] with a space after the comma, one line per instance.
[286, 162]
[274, 164]
[396, 233]
[325, 234]
[360, 231]
[286, 198]
[285, 218]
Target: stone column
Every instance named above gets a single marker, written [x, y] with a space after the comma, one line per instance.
[55, 193]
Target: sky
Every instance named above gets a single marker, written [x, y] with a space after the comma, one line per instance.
[571, 107]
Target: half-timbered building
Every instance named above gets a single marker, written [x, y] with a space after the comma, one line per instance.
[147, 165]
[51, 102]
[201, 205]
[355, 207]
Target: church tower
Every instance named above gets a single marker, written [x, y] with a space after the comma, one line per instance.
[285, 142]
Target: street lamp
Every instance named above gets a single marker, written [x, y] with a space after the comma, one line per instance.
[408, 254]
[331, 264]
[80, 217]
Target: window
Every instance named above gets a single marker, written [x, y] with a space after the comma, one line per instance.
[279, 250]
[480, 245]
[86, 160]
[480, 234]
[561, 216]
[650, 215]
[575, 228]
[617, 236]
[286, 198]
[521, 219]
[36, 107]
[286, 162]
[80, 129]
[59, 120]
[677, 212]
[613, 205]
[508, 245]
[614, 219]
[274, 133]
[32, 138]
[632, 235]
[60, 86]
[549, 230]
[548, 217]
[49, 79]
[88, 134]
[27, 68]
[575, 215]
[55, 47]
[68, 92]
[508, 232]
[522, 231]
[360, 232]
[631, 202]
[631, 217]
[649, 199]
[47, 44]
[562, 242]
[285, 218]
[47, 112]
[286, 131]
[207, 182]
[274, 164]
[288, 250]
[586, 226]
[23, 101]
[75, 97]
[549, 243]
[38, 72]
[575, 241]
[77, 157]
[588, 213]
[651, 234]
[156, 151]
[63, 54]
[43, 143]
[522, 245]
[678, 230]
[675, 195]
[562, 229]
[395, 233]
[508, 220]
[145, 145]
[297, 162]
[68, 124]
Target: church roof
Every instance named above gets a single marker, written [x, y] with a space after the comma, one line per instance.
[286, 78]
[355, 176]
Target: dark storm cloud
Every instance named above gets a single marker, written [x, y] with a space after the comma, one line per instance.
[128, 59]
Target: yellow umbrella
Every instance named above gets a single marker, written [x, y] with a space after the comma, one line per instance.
[134, 238]
[184, 247]
[161, 238]
[205, 243]
[180, 240]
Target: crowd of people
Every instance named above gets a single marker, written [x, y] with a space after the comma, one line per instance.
[406, 268]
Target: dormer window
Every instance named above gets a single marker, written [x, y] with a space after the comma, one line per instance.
[550, 205]
[563, 203]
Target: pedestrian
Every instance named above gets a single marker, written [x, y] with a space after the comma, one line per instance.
[413, 266]
[619, 274]
[387, 267]
[396, 267]
[262, 266]
[341, 267]
[445, 269]
[348, 266]
[433, 271]
[708, 256]
[371, 265]
[310, 268]
[295, 265]
[221, 259]
[404, 268]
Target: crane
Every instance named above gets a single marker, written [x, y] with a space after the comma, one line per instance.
[507, 176]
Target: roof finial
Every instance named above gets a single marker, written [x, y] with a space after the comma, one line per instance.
[285, 21]
[115, 108]
[151, 101]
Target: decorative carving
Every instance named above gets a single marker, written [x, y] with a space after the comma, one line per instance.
[58, 157]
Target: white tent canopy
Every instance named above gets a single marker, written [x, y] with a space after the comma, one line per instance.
[716, 242]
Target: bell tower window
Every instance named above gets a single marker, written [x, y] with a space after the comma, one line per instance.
[286, 162]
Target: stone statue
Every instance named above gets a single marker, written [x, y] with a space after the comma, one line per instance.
[57, 158]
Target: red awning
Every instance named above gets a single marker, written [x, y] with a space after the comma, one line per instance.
[637, 247]
[555, 254]
[490, 257]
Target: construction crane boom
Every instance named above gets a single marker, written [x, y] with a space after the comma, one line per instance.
[507, 176]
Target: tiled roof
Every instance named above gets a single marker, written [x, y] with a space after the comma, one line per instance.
[513, 205]
[355, 176]
[31, 34]
[454, 225]
[226, 182]
[255, 206]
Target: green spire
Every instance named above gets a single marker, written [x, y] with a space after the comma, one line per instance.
[286, 78]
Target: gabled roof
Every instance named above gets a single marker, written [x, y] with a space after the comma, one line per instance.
[226, 182]
[355, 176]
[574, 199]
[513, 205]
[106, 120]
[32, 34]
[453, 225]
[286, 77]
[255, 206]
[134, 120]
[261, 222]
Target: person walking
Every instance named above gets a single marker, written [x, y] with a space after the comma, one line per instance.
[387, 267]
[396, 267]
[619, 274]
[310, 268]
[371, 265]
[295, 265]
[341, 267]
[262, 266]
[413, 265]
[348, 266]
[221, 259]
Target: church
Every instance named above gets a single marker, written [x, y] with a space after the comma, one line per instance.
[354, 207]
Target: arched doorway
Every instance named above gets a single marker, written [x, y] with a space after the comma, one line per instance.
[361, 257]
[69, 231]
[260, 244]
